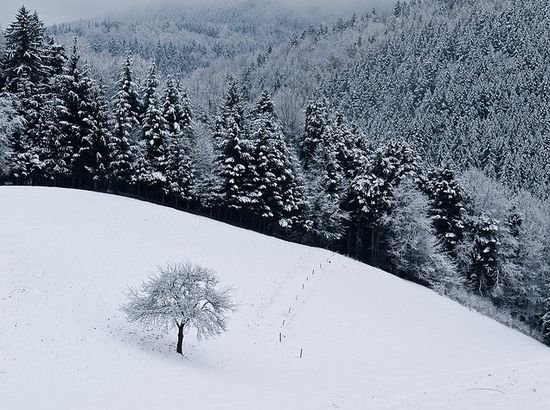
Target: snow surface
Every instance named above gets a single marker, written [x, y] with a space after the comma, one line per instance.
[369, 340]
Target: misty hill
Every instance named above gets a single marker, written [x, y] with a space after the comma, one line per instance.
[67, 258]
[466, 83]
[183, 38]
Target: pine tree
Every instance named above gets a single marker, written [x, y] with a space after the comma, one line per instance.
[484, 270]
[328, 167]
[348, 145]
[10, 122]
[236, 152]
[370, 197]
[154, 131]
[124, 141]
[25, 54]
[79, 127]
[56, 57]
[23, 160]
[26, 76]
[207, 181]
[280, 197]
[447, 203]
[326, 220]
[58, 149]
[314, 138]
[178, 167]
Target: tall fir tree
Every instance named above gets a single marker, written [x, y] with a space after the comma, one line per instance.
[178, 167]
[314, 138]
[79, 127]
[235, 152]
[25, 56]
[484, 270]
[154, 131]
[127, 126]
[448, 207]
[370, 197]
[26, 76]
[280, 196]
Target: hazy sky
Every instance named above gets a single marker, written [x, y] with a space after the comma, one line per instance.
[54, 11]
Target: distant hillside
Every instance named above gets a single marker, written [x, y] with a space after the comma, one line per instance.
[465, 82]
[183, 38]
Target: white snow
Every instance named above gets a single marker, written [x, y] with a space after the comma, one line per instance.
[369, 340]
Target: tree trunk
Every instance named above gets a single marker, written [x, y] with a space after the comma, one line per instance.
[179, 347]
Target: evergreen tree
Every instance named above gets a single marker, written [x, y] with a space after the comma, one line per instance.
[23, 159]
[484, 270]
[280, 198]
[207, 178]
[154, 131]
[58, 150]
[370, 197]
[349, 146]
[10, 122]
[124, 141]
[447, 203]
[56, 58]
[25, 54]
[178, 167]
[79, 128]
[314, 138]
[236, 152]
[26, 76]
[326, 220]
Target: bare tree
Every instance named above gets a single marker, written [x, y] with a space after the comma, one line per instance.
[182, 296]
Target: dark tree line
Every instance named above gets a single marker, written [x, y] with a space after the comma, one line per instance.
[330, 186]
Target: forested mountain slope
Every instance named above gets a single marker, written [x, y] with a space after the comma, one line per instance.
[465, 82]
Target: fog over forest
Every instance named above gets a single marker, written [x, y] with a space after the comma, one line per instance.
[57, 11]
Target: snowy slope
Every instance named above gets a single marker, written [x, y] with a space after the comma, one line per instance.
[369, 340]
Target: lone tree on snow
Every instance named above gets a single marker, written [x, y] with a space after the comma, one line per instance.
[182, 296]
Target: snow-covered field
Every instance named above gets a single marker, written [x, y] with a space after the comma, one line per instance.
[369, 340]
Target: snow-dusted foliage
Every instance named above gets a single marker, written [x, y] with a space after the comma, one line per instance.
[154, 131]
[126, 112]
[412, 244]
[235, 152]
[280, 195]
[177, 166]
[77, 131]
[182, 296]
[326, 220]
[207, 182]
[25, 53]
[448, 204]
[10, 121]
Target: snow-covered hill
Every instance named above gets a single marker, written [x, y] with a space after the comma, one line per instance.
[369, 340]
